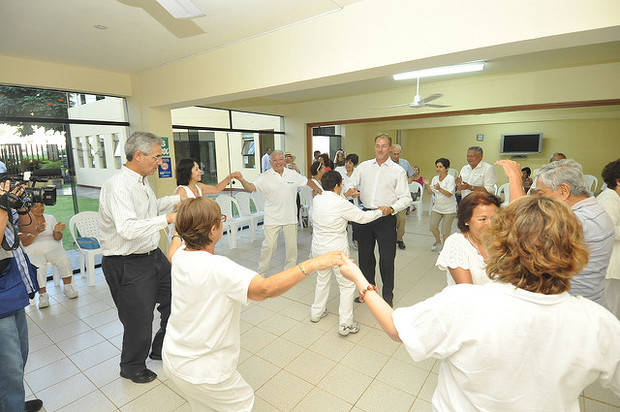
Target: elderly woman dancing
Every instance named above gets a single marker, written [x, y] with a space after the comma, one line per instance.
[201, 347]
[521, 342]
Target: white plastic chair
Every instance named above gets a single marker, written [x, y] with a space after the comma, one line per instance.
[504, 193]
[415, 187]
[87, 225]
[259, 201]
[233, 222]
[244, 199]
[495, 188]
[591, 182]
[305, 196]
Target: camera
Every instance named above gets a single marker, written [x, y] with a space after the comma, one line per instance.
[30, 195]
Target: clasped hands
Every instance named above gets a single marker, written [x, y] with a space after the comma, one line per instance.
[347, 266]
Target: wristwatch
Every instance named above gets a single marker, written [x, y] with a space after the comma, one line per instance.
[392, 210]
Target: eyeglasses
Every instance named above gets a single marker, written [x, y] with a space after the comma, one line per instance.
[223, 218]
[156, 158]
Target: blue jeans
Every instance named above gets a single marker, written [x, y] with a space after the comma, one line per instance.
[13, 355]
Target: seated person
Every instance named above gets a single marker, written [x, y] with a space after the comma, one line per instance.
[202, 344]
[520, 342]
[45, 246]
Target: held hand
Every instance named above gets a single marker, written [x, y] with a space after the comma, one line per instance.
[171, 217]
[511, 168]
[353, 192]
[436, 187]
[328, 260]
[458, 180]
[59, 227]
[236, 175]
[426, 181]
[351, 271]
[385, 210]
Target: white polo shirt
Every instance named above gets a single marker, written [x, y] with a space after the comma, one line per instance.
[510, 350]
[203, 333]
[481, 175]
[280, 193]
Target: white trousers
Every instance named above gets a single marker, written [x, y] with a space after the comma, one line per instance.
[612, 295]
[232, 395]
[270, 243]
[321, 293]
[49, 252]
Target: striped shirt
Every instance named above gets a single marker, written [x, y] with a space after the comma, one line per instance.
[130, 214]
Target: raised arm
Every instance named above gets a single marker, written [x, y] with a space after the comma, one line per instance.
[247, 186]
[275, 285]
[513, 173]
[212, 190]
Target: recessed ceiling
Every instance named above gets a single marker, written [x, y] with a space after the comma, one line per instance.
[546, 60]
[140, 34]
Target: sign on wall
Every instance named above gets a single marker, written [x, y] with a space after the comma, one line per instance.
[165, 169]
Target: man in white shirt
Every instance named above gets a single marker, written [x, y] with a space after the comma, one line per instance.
[265, 161]
[476, 175]
[381, 182]
[279, 185]
[136, 271]
[401, 217]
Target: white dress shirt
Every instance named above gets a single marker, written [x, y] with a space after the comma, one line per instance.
[128, 210]
[331, 213]
[265, 162]
[280, 193]
[481, 175]
[506, 349]
[610, 202]
[384, 185]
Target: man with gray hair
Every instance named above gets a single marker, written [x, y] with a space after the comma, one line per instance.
[135, 269]
[279, 185]
[476, 175]
[563, 180]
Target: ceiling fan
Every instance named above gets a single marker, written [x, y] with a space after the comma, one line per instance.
[419, 102]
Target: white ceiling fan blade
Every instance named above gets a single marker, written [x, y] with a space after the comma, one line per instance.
[437, 105]
[431, 97]
[181, 9]
[391, 107]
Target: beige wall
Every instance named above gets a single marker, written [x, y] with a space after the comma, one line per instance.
[591, 142]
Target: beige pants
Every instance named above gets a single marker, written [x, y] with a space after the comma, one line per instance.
[232, 395]
[270, 243]
[446, 222]
[347, 293]
[401, 220]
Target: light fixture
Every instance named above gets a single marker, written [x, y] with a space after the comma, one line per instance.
[181, 9]
[100, 27]
[441, 71]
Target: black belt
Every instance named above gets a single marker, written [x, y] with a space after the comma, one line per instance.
[368, 208]
[135, 255]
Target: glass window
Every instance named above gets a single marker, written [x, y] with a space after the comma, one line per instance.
[247, 151]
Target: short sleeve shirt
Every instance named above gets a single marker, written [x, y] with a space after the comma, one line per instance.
[444, 204]
[458, 252]
[280, 192]
[481, 175]
[203, 333]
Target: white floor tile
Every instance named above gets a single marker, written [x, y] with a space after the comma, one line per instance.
[160, 399]
[94, 355]
[365, 360]
[310, 366]
[65, 392]
[51, 374]
[255, 339]
[382, 397]
[345, 383]
[105, 372]
[280, 352]
[43, 357]
[257, 371]
[122, 391]
[319, 400]
[93, 402]
[296, 389]
[403, 376]
[80, 342]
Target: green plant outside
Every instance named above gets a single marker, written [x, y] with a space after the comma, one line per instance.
[63, 211]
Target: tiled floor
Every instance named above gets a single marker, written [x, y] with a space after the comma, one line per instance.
[291, 363]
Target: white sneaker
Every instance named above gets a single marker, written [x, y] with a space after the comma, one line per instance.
[436, 247]
[70, 291]
[344, 330]
[315, 319]
[44, 300]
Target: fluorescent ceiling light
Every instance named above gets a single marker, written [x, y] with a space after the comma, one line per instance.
[441, 71]
[181, 9]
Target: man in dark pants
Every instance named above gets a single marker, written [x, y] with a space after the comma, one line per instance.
[135, 269]
[381, 182]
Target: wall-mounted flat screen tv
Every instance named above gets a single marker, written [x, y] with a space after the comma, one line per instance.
[521, 144]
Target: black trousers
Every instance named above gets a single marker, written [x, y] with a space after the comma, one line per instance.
[137, 283]
[383, 232]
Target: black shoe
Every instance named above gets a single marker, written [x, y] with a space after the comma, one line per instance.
[401, 244]
[155, 356]
[144, 376]
[33, 405]
[357, 300]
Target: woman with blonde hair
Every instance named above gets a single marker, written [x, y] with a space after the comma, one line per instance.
[521, 342]
[201, 347]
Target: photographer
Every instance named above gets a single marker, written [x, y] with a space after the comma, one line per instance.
[18, 284]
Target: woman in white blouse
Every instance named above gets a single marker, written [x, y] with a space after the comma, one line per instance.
[442, 187]
[189, 176]
[462, 256]
[521, 342]
[609, 200]
[202, 343]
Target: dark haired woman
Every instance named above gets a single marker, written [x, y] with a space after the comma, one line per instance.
[442, 187]
[609, 199]
[521, 342]
[202, 343]
[462, 256]
[189, 176]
